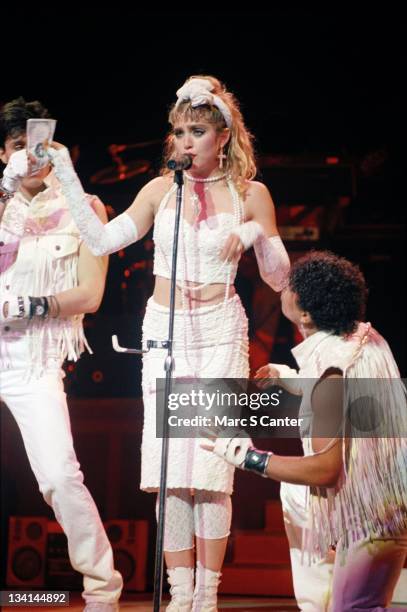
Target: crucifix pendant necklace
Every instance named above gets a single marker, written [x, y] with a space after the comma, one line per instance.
[202, 188]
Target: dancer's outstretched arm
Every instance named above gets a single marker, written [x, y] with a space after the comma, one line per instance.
[101, 239]
[322, 468]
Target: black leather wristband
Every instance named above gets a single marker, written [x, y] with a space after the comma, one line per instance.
[39, 307]
[257, 461]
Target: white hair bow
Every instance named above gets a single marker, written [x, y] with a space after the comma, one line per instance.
[198, 92]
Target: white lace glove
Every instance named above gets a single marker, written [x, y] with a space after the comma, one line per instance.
[101, 239]
[233, 450]
[240, 452]
[272, 258]
[18, 167]
[289, 378]
[17, 308]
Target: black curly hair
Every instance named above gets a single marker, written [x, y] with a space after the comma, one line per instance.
[14, 115]
[331, 289]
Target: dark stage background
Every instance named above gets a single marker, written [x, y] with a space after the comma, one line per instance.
[322, 93]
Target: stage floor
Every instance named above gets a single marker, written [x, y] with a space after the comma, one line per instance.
[143, 603]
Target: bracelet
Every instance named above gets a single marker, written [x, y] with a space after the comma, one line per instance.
[54, 306]
[5, 196]
[21, 307]
[39, 307]
[257, 461]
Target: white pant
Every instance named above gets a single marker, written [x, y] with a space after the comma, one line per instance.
[40, 409]
[312, 583]
[363, 579]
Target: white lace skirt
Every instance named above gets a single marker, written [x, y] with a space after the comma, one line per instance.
[209, 342]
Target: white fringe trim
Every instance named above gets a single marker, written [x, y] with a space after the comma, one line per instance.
[371, 497]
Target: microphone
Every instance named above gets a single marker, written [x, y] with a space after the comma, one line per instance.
[183, 163]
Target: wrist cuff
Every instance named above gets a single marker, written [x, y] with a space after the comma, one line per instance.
[248, 233]
[257, 461]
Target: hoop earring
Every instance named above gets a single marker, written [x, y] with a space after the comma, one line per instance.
[221, 156]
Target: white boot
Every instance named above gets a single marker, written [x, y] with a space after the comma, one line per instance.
[206, 590]
[181, 580]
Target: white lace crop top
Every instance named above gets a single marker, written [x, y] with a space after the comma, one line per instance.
[199, 246]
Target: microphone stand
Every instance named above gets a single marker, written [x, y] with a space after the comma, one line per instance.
[168, 367]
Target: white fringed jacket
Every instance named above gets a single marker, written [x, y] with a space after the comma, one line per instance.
[370, 498]
[39, 249]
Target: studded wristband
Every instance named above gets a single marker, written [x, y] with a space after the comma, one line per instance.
[257, 461]
[21, 307]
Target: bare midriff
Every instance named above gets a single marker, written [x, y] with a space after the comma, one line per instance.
[208, 295]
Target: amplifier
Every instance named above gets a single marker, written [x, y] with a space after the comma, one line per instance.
[38, 554]
[27, 542]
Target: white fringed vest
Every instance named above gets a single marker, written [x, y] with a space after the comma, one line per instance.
[39, 247]
[370, 498]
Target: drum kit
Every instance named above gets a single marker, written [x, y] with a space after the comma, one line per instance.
[132, 166]
[122, 169]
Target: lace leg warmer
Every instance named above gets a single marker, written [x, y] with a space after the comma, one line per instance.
[101, 239]
[207, 514]
[179, 521]
[212, 514]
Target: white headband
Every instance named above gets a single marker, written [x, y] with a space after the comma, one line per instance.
[198, 92]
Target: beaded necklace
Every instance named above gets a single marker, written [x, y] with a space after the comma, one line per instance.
[220, 315]
[181, 284]
[195, 199]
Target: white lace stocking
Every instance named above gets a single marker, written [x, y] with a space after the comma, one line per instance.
[179, 520]
[206, 514]
[212, 514]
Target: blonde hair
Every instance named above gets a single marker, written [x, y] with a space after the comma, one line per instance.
[240, 162]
